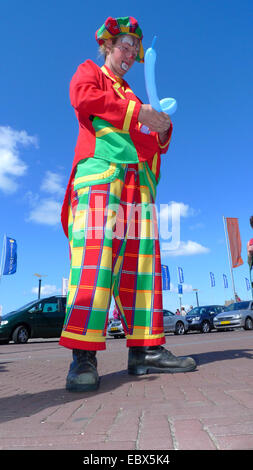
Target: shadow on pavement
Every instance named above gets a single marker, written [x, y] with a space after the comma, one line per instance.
[28, 404]
[223, 355]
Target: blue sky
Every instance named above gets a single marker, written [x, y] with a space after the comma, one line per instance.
[204, 60]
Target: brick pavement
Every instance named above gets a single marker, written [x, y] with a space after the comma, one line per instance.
[208, 409]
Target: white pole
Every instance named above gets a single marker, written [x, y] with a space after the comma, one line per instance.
[229, 255]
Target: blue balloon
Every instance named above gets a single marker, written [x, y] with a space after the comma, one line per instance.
[167, 105]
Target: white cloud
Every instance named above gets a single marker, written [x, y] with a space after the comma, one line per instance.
[186, 288]
[47, 289]
[46, 212]
[11, 165]
[188, 248]
[179, 208]
[176, 247]
[52, 183]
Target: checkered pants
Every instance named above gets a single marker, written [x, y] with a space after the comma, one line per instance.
[115, 251]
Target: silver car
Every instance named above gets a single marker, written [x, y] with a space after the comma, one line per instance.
[115, 329]
[236, 315]
[176, 324]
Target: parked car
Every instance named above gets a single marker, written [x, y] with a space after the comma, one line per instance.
[38, 319]
[174, 323]
[115, 329]
[201, 318]
[236, 315]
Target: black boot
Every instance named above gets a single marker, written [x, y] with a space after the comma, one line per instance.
[156, 359]
[83, 375]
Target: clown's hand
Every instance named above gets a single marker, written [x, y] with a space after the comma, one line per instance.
[154, 120]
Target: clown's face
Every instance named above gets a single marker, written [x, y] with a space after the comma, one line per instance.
[121, 55]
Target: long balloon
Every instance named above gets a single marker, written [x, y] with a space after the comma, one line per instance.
[167, 105]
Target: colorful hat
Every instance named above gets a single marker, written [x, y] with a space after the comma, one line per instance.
[116, 26]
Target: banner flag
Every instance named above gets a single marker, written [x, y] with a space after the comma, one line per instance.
[212, 279]
[247, 283]
[9, 265]
[180, 288]
[65, 283]
[180, 275]
[165, 277]
[234, 241]
[225, 279]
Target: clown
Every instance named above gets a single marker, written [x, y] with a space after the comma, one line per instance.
[109, 217]
[250, 247]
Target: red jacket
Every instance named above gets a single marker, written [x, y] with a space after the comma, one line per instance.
[97, 92]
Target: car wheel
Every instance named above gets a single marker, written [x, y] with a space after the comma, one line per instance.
[248, 324]
[20, 334]
[206, 327]
[179, 328]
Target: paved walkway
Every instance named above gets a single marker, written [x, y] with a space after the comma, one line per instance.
[208, 409]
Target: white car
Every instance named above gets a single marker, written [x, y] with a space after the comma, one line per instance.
[236, 315]
[115, 329]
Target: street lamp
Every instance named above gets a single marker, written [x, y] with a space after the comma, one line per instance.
[197, 297]
[39, 276]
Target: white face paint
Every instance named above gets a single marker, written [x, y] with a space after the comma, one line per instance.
[124, 66]
[128, 39]
[120, 64]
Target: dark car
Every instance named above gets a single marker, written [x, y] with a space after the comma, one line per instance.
[201, 318]
[39, 319]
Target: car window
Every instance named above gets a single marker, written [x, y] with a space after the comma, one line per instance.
[214, 309]
[168, 313]
[237, 306]
[50, 307]
[194, 311]
[36, 308]
[25, 306]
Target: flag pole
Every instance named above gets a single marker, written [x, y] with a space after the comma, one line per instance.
[2, 257]
[229, 256]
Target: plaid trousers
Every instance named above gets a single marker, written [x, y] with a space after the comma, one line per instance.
[114, 247]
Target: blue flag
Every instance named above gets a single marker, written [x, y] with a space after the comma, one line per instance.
[247, 283]
[225, 281]
[165, 277]
[212, 279]
[10, 256]
[180, 288]
[180, 275]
